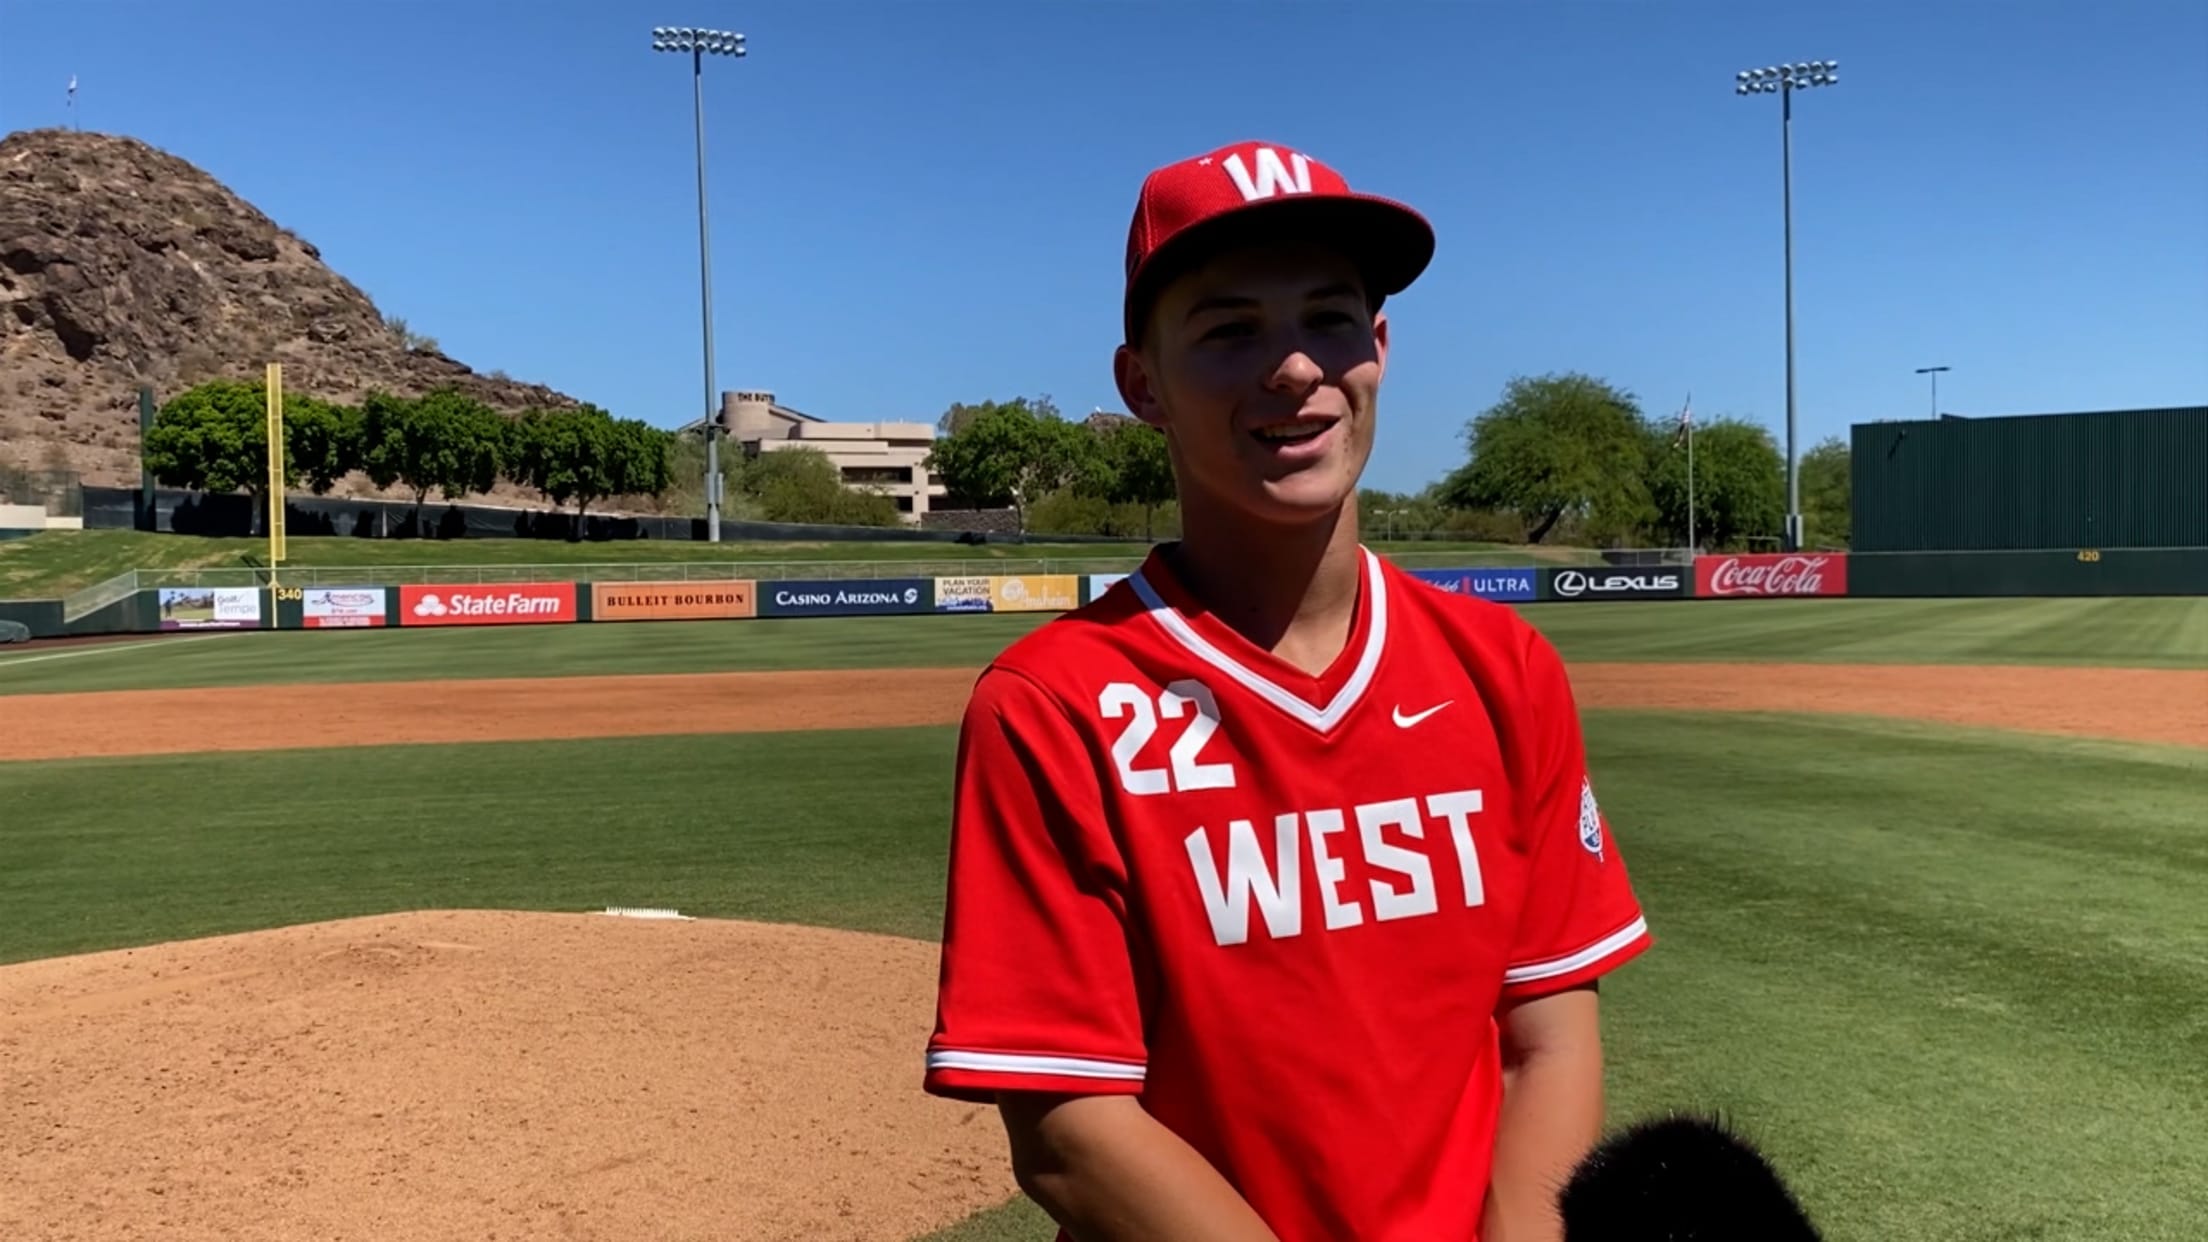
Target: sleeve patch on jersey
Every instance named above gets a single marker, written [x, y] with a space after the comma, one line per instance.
[1590, 818]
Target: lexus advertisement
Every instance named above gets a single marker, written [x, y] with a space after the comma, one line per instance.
[1604, 582]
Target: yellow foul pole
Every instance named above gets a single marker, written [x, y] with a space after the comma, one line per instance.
[275, 472]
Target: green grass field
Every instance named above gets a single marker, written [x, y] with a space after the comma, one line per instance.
[2147, 633]
[1955, 981]
[54, 563]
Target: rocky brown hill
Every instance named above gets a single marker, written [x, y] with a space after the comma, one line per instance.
[122, 265]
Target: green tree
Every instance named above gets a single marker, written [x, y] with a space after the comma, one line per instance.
[685, 492]
[1129, 465]
[955, 419]
[1823, 477]
[1739, 482]
[584, 455]
[1394, 515]
[1011, 454]
[443, 440]
[211, 438]
[323, 441]
[214, 438]
[803, 485]
[643, 458]
[1557, 445]
[409, 339]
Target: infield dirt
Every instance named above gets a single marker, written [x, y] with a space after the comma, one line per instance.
[482, 1075]
[2151, 705]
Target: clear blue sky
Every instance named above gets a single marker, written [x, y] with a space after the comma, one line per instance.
[920, 203]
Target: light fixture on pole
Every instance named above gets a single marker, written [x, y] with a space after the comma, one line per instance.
[1934, 372]
[697, 42]
[1784, 80]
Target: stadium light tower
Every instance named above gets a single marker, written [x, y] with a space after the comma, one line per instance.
[1934, 372]
[1784, 80]
[697, 42]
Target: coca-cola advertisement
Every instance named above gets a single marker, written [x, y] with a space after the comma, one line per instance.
[1771, 573]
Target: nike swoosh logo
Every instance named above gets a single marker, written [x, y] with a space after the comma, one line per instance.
[1404, 722]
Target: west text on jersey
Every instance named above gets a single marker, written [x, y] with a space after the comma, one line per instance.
[1263, 866]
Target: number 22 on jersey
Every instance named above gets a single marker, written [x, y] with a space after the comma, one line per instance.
[1124, 701]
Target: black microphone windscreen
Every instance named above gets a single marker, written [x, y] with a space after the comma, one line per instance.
[1682, 1178]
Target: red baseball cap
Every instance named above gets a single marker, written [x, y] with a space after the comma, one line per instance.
[1187, 208]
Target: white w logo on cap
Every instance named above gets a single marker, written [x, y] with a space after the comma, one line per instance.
[1274, 175]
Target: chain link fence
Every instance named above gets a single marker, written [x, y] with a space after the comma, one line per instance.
[59, 492]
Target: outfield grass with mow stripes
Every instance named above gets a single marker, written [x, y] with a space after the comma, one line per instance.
[1956, 981]
[2149, 633]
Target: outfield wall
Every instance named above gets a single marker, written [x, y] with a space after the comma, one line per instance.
[2081, 571]
[370, 605]
[41, 616]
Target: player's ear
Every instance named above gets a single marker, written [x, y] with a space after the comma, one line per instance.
[1380, 340]
[1136, 387]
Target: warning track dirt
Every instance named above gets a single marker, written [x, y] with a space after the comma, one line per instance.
[2150, 705]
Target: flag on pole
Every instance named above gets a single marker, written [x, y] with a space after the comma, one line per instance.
[1686, 422]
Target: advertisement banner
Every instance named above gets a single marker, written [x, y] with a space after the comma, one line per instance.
[672, 601]
[1100, 583]
[489, 603]
[846, 597]
[1501, 585]
[210, 608]
[1604, 583]
[332, 608]
[1771, 573]
[962, 594]
[1035, 593]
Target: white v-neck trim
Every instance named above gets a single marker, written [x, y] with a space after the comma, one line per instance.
[1321, 719]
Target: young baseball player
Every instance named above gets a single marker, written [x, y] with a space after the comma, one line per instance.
[1278, 890]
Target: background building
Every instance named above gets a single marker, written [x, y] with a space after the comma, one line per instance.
[884, 456]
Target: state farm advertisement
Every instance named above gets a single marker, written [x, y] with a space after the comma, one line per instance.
[334, 608]
[490, 603]
[1771, 573]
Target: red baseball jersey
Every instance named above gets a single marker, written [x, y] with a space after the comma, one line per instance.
[1282, 909]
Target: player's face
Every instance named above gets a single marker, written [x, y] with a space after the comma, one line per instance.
[1263, 369]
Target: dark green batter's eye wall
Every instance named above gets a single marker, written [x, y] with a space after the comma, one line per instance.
[2124, 479]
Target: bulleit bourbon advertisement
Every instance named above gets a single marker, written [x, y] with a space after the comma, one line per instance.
[672, 601]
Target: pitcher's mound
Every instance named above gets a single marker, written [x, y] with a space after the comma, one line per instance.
[485, 1075]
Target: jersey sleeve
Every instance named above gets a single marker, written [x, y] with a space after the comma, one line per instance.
[1036, 990]
[1581, 918]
